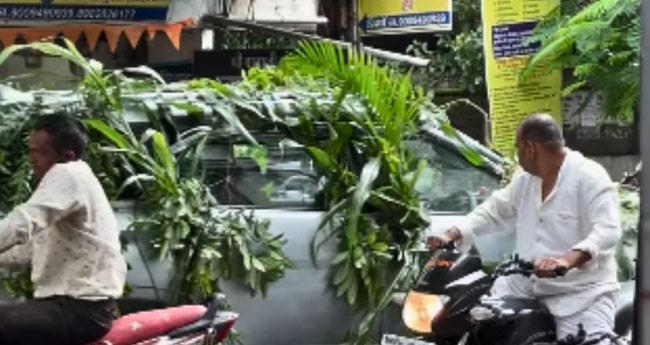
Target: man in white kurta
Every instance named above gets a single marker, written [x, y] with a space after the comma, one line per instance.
[69, 228]
[564, 208]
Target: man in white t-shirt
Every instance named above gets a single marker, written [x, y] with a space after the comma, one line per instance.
[77, 267]
[564, 208]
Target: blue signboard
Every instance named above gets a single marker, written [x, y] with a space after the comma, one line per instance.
[89, 10]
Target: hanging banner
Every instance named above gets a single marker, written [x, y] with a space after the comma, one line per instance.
[507, 26]
[83, 10]
[132, 32]
[404, 16]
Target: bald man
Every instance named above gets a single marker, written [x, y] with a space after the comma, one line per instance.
[564, 208]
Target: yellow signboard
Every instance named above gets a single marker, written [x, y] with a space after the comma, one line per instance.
[400, 16]
[84, 10]
[507, 25]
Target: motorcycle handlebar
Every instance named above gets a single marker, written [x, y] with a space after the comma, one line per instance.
[515, 265]
[435, 244]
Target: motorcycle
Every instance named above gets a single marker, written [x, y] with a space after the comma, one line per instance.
[184, 325]
[450, 305]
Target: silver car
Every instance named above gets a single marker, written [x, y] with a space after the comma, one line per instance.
[301, 308]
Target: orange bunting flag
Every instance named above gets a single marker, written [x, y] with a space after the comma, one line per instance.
[8, 36]
[113, 35]
[73, 33]
[152, 30]
[133, 34]
[174, 32]
[92, 34]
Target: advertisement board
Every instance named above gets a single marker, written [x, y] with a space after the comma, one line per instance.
[86, 10]
[507, 26]
[404, 16]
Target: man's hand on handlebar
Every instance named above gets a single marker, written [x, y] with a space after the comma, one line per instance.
[451, 235]
[551, 267]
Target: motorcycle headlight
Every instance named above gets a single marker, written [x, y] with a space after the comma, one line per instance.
[420, 309]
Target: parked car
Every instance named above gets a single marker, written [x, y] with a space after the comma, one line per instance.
[301, 304]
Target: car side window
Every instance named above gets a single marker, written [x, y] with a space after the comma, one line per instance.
[450, 184]
[289, 179]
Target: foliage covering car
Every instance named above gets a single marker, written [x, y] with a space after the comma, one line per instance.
[352, 119]
[247, 183]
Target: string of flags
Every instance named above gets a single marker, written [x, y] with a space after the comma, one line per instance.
[133, 32]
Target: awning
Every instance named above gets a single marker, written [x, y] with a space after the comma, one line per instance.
[133, 32]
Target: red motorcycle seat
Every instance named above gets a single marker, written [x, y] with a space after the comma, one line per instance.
[137, 327]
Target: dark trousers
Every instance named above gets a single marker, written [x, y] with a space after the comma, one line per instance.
[55, 321]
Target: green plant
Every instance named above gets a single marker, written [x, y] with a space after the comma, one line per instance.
[378, 178]
[601, 44]
[187, 228]
[457, 61]
[352, 116]
[374, 213]
[186, 225]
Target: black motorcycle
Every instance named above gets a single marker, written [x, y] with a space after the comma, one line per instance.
[450, 304]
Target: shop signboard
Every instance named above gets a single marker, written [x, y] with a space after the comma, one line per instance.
[83, 10]
[404, 16]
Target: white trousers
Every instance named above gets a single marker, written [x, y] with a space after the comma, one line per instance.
[598, 317]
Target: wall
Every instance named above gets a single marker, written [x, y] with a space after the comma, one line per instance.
[257, 10]
[618, 165]
[275, 10]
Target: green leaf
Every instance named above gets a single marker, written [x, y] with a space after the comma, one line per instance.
[379, 247]
[258, 153]
[135, 179]
[109, 133]
[340, 258]
[191, 109]
[353, 290]
[372, 237]
[246, 257]
[333, 212]
[163, 154]
[369, 173]
[341, 274]
[350, 278]
[322, 158]
[191, 138]
[268, 189]
[226, 111]
[258, 265]
[470, 154]
[146, 71]
[362, 192]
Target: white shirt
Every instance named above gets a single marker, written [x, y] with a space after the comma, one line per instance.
[581, 212]
[72, 232]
